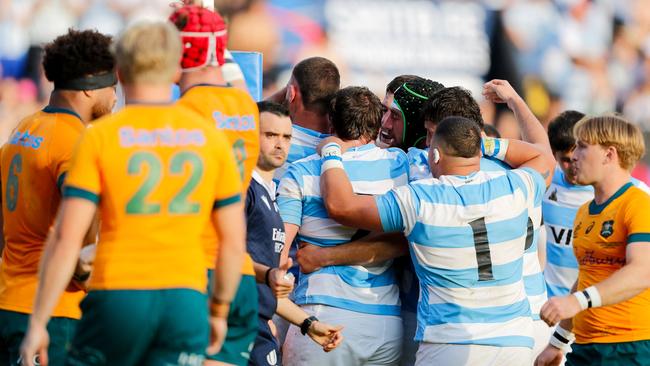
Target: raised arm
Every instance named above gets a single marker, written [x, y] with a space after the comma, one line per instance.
[520, 154]
[372, 249]
[532, 131]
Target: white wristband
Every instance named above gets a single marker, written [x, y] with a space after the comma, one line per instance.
[494, 148]
[562, 339]
[588, 298]
[593, 295]
[330, 149]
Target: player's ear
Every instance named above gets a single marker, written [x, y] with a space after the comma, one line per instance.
[436, 155]
[611, 154]
[291, 93]
[177, 75]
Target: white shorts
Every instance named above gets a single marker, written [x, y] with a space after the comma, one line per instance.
[472, 355]
[542, 334]
[368, 340]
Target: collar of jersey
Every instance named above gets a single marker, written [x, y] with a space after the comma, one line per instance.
[50, 109]
[596, 209]
[227, 85]
[310, 132]
[269, 186]
[365, 147]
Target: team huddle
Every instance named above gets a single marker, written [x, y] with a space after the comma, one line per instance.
[323, 226]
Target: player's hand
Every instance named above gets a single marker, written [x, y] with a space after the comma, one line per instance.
[328, 336]
[309, 257]
[550, 356]
[280, 285]
[500, 91]
[559, 308]
[34, 346]
[218, 330]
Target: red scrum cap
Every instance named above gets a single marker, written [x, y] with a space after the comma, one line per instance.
[204, 36]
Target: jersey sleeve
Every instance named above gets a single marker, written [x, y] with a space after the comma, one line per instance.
[60, 151]
[290, 196]
[534, 185]
[397, 210]
[83, 177]
[229, 184]
[637, 219]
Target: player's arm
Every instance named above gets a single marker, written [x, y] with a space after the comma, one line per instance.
[532, 131]
[372, 249]
[342, 204]
[627, 282]
[520, 154]
[290, 232]
[328, 336]
[2, 230]
[231, 229]
[560, 341]
[57, 267]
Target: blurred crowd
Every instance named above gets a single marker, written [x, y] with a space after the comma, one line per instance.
[588, 55]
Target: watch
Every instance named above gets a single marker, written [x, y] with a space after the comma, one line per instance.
[304, 327]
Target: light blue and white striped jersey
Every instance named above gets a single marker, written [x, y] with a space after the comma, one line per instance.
[366, 289]
[303, 144]
[559, 207]
[467, 239]
[533, 274]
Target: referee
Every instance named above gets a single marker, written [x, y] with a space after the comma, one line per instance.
[265, 240]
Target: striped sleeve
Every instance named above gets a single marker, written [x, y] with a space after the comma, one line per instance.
[396, 210]
[290, 196]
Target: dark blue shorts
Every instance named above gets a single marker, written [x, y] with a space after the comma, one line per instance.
[266, 351]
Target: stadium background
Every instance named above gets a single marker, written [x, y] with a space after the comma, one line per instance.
[588, 55]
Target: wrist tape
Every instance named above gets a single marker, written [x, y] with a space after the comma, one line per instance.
[494, 148]
[331, 157]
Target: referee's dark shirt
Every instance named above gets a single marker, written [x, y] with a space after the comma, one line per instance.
[265, 235]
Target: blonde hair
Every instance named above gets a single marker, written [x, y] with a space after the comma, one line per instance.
[613, 130]
[148, 52]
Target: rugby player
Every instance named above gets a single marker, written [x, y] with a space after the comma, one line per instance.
[364, 299]
[157, 173]
[34, 164]
[496, 326]
[233, 111]
[607, 312]
[560, 205]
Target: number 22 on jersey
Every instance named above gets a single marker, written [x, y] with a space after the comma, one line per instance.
[150, 164]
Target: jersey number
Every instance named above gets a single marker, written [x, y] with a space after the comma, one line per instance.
[239, 151]
[11, 194]
[482, 247]
[179, 204]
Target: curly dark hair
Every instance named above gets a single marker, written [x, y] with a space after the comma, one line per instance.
[77, 54]
[356, 112]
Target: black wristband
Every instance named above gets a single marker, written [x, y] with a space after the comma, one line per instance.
[304, 327]
[81, 278]
[589, 304]
[266, 277]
